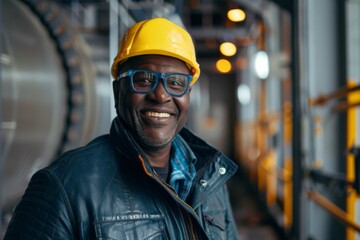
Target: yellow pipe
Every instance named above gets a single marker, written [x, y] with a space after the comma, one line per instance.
[342, 106]
[271, 178]
[288, 194]
[288, 170]
[322, 99]
[350, 163]
[262, 172]
[334, 210]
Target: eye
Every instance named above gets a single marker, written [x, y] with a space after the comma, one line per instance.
[176, 81]
[143, 79]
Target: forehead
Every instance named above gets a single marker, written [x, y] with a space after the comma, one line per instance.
[157, 63]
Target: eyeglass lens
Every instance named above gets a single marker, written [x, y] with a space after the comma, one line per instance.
[174, 83]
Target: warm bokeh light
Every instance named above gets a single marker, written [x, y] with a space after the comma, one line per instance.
[223, 66]
[228, 49]
[236, 15]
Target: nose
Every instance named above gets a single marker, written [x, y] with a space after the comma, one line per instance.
[159, 94]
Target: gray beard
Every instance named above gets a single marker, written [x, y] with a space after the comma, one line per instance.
[149, 143]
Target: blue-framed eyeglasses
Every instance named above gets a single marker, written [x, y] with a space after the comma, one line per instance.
[146, 81]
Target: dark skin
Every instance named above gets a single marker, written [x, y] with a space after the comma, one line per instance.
[154, 118]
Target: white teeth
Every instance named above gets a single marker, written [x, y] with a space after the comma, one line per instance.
[157, 114]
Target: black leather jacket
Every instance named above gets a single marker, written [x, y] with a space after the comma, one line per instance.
[107, 190]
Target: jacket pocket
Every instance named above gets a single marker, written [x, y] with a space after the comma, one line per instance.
[215, 223]
[131, 226]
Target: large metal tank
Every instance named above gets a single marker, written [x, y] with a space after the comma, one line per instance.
[48, 95]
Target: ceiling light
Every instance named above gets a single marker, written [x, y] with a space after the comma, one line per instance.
[223, 66]
[236, 15]
[244, 94]
[228, 49]
[262, 65]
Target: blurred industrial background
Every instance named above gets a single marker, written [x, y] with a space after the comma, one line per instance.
[279, 93]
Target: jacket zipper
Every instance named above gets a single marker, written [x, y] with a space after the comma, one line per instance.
[191, 226]
[184, 222]
[172, 192]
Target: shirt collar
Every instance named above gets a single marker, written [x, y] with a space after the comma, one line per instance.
[182, 162]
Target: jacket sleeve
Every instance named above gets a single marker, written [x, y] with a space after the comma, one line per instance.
[43, 212]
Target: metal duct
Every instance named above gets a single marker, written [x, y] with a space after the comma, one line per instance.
[48, 91]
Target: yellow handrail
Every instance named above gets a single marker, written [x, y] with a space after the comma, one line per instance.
[333, 209]
[342, 106]
[322, 99]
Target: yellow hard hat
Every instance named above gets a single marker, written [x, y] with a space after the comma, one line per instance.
[157, 36]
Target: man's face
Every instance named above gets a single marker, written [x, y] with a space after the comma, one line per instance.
[153, 118]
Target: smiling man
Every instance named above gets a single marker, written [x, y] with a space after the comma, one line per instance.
[153, 115]
[150, 178]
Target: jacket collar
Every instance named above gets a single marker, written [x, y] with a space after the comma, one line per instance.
[205, 153]
[126, 144]
[213, 168]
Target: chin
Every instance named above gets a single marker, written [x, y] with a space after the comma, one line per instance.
[155, 142]
[154, 145]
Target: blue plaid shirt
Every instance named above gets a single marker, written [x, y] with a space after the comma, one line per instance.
[182, 161]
